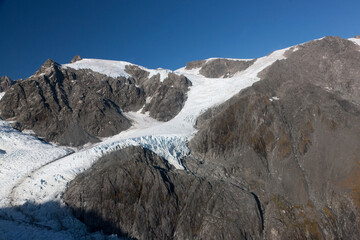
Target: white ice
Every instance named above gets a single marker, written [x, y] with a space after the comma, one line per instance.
[1, 95]
[113, 69]
[355, 40]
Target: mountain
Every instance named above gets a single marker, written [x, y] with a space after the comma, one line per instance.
[5, 83]
[261, 148]
[74, 105]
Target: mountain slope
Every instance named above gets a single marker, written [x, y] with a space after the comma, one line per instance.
[74, 106]
[293, 139]
[280, 132]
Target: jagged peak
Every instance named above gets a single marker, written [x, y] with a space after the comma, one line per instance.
[48, 64]
[5, 83]
[76, 58]
[5, 78]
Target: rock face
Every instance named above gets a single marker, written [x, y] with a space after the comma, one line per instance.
[5, 83]
[278, 161]
[164, 99]
[134, 193]
[75, 59]
[219, 67]
[73, 107]
[293, 139]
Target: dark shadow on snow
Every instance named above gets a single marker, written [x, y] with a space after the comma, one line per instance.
[52, 218]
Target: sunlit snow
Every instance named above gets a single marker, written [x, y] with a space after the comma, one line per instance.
[113, 69]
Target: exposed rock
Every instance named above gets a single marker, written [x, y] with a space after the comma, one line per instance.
[195, 64]
[135, 193]
[357, 36]
[73, 107]
[169, 98]
[76, 58]
[293, 139]
[219, 67]
[56, 104]
[164, 99]
[5, 83]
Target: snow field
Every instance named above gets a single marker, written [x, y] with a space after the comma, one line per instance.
[113, 69]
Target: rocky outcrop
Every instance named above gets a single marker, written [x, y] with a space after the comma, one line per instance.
[165, 99]
[5, 83]
[219, 67]
[73, 107]
[293, 139]
[136, 194]
[76, 58]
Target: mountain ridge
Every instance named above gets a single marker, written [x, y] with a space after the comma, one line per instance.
[282, 128]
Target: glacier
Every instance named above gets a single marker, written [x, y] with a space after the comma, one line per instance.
[35, 174]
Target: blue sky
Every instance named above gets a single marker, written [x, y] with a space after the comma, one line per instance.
[161, 33]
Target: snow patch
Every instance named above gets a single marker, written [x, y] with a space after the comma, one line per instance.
[355, 40]
[274, 99]
[232, 59]
[112, 68]
[164, 73]
[2, 95]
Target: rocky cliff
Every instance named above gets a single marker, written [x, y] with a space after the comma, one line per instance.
[5, 83]
[293, 139]
[77, 106]
[280, 160]
[136, 194]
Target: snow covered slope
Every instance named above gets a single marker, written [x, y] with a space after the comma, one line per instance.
[40, 177]
[113, 69]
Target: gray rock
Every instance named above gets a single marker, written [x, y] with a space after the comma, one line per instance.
[73, 107]
[195, 64]
[135, 193]
[219, 67]
[169, 98]
[56, 104]
[164, 100]
[297, 151]
[5, 83]
[76, 58]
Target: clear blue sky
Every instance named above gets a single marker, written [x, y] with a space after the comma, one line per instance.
[162, 33]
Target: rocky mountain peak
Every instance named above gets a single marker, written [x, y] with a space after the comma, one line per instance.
[5, 83]
[48, 66]
[76, 58]
[75, 106]
[49, 63]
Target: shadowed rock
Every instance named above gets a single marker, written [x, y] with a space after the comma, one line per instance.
[137, 194]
